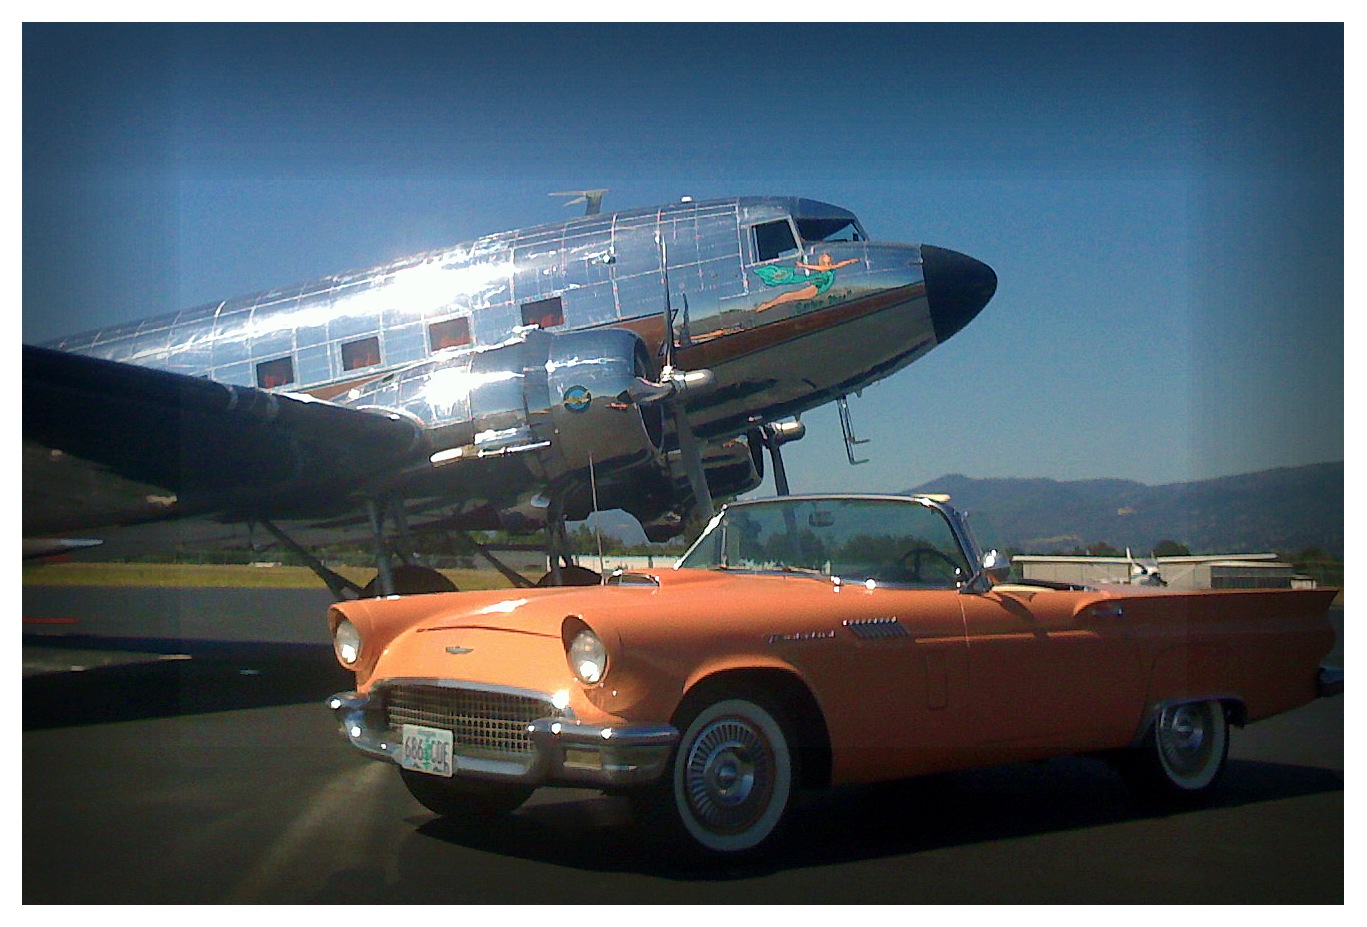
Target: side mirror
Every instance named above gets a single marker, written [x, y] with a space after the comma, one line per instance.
[997, 565]
[996, 568]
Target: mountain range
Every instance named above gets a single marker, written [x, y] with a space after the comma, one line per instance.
[1287, 510]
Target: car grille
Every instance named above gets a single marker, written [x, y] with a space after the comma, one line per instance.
[485, 724]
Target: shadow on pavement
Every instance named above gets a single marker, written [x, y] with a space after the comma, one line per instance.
[869, 822]
[164, 678]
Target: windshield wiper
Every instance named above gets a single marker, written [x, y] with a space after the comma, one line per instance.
[781, 568]
[801, 571]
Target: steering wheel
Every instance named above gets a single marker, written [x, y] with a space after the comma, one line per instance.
[914, 561]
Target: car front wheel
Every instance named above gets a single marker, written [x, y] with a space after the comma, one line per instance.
[732, 776]
[1184, 752]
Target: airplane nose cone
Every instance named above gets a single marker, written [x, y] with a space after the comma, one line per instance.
[957, 287]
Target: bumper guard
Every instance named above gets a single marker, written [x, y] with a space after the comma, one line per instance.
[1330, 681]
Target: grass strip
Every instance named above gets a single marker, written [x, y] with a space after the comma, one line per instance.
[228, 576]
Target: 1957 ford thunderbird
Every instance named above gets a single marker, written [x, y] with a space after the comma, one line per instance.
[805, 642]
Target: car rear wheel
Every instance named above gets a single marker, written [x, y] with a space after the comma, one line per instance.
[1184, 752]
[464, 798]
[732, 776]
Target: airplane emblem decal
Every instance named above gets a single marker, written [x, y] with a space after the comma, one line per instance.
[578, 398]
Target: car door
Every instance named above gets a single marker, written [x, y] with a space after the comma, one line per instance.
[901, 691]
[1047, 677]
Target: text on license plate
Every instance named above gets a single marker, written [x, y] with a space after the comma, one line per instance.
[426, 749]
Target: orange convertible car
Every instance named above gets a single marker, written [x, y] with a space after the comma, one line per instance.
[810, 641]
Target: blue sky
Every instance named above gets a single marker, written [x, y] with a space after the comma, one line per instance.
[1163, 205]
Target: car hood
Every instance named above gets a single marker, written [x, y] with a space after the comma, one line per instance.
[540, 611]
[396, 629]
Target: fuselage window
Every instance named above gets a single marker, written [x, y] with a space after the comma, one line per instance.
[451, 333]
[363, 353]
[774, 240]
[547, 313]
[278, 372]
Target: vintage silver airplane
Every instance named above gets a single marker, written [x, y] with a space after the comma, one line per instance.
[639, 360]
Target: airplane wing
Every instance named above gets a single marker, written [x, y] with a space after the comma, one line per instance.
[110, 444]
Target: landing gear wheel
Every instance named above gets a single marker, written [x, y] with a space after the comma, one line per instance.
[412, 580]
[1183, 755]
[732, 776]
[464, 798]
[572, 576]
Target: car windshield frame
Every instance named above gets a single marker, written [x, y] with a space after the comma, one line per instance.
[901, 541]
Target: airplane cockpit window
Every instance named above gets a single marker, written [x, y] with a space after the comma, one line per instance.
[273, 373]
[449, 333]
[774, 240]
[363, 353]
[815, 230]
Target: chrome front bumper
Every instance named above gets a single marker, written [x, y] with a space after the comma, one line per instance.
[565, 752]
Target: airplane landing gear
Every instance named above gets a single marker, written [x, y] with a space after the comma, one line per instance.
[572, 575]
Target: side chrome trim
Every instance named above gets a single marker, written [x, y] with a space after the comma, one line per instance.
[876, 629]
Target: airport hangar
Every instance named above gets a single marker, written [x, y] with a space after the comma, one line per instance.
[1213, 571]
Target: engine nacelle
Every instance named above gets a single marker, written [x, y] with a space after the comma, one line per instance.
[732, 467]
[559, 402]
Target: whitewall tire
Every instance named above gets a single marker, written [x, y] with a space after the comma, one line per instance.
[1184, 752]
[732, 776]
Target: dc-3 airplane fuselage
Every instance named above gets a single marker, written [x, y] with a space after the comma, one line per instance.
[638, 360]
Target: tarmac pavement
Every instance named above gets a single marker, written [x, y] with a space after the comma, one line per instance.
[208, 771]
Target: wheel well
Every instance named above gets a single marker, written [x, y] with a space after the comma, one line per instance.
[784, 695]
[1236, 712]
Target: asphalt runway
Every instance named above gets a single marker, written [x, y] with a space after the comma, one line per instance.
[203, 768]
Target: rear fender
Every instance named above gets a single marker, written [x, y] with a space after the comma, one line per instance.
[1194, 673]
[1194, 670]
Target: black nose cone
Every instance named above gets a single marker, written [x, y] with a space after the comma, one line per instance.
[957, 287]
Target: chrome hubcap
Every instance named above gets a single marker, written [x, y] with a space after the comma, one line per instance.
[1184, 738]
[728, 778]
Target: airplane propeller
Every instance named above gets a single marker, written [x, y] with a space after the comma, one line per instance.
[1144, 574]
[674, 389]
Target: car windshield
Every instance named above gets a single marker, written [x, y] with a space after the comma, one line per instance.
[892, 541]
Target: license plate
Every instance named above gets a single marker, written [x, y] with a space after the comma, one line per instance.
[427, 750]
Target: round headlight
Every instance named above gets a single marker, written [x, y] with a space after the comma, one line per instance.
[346, 640]
[588, 658]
